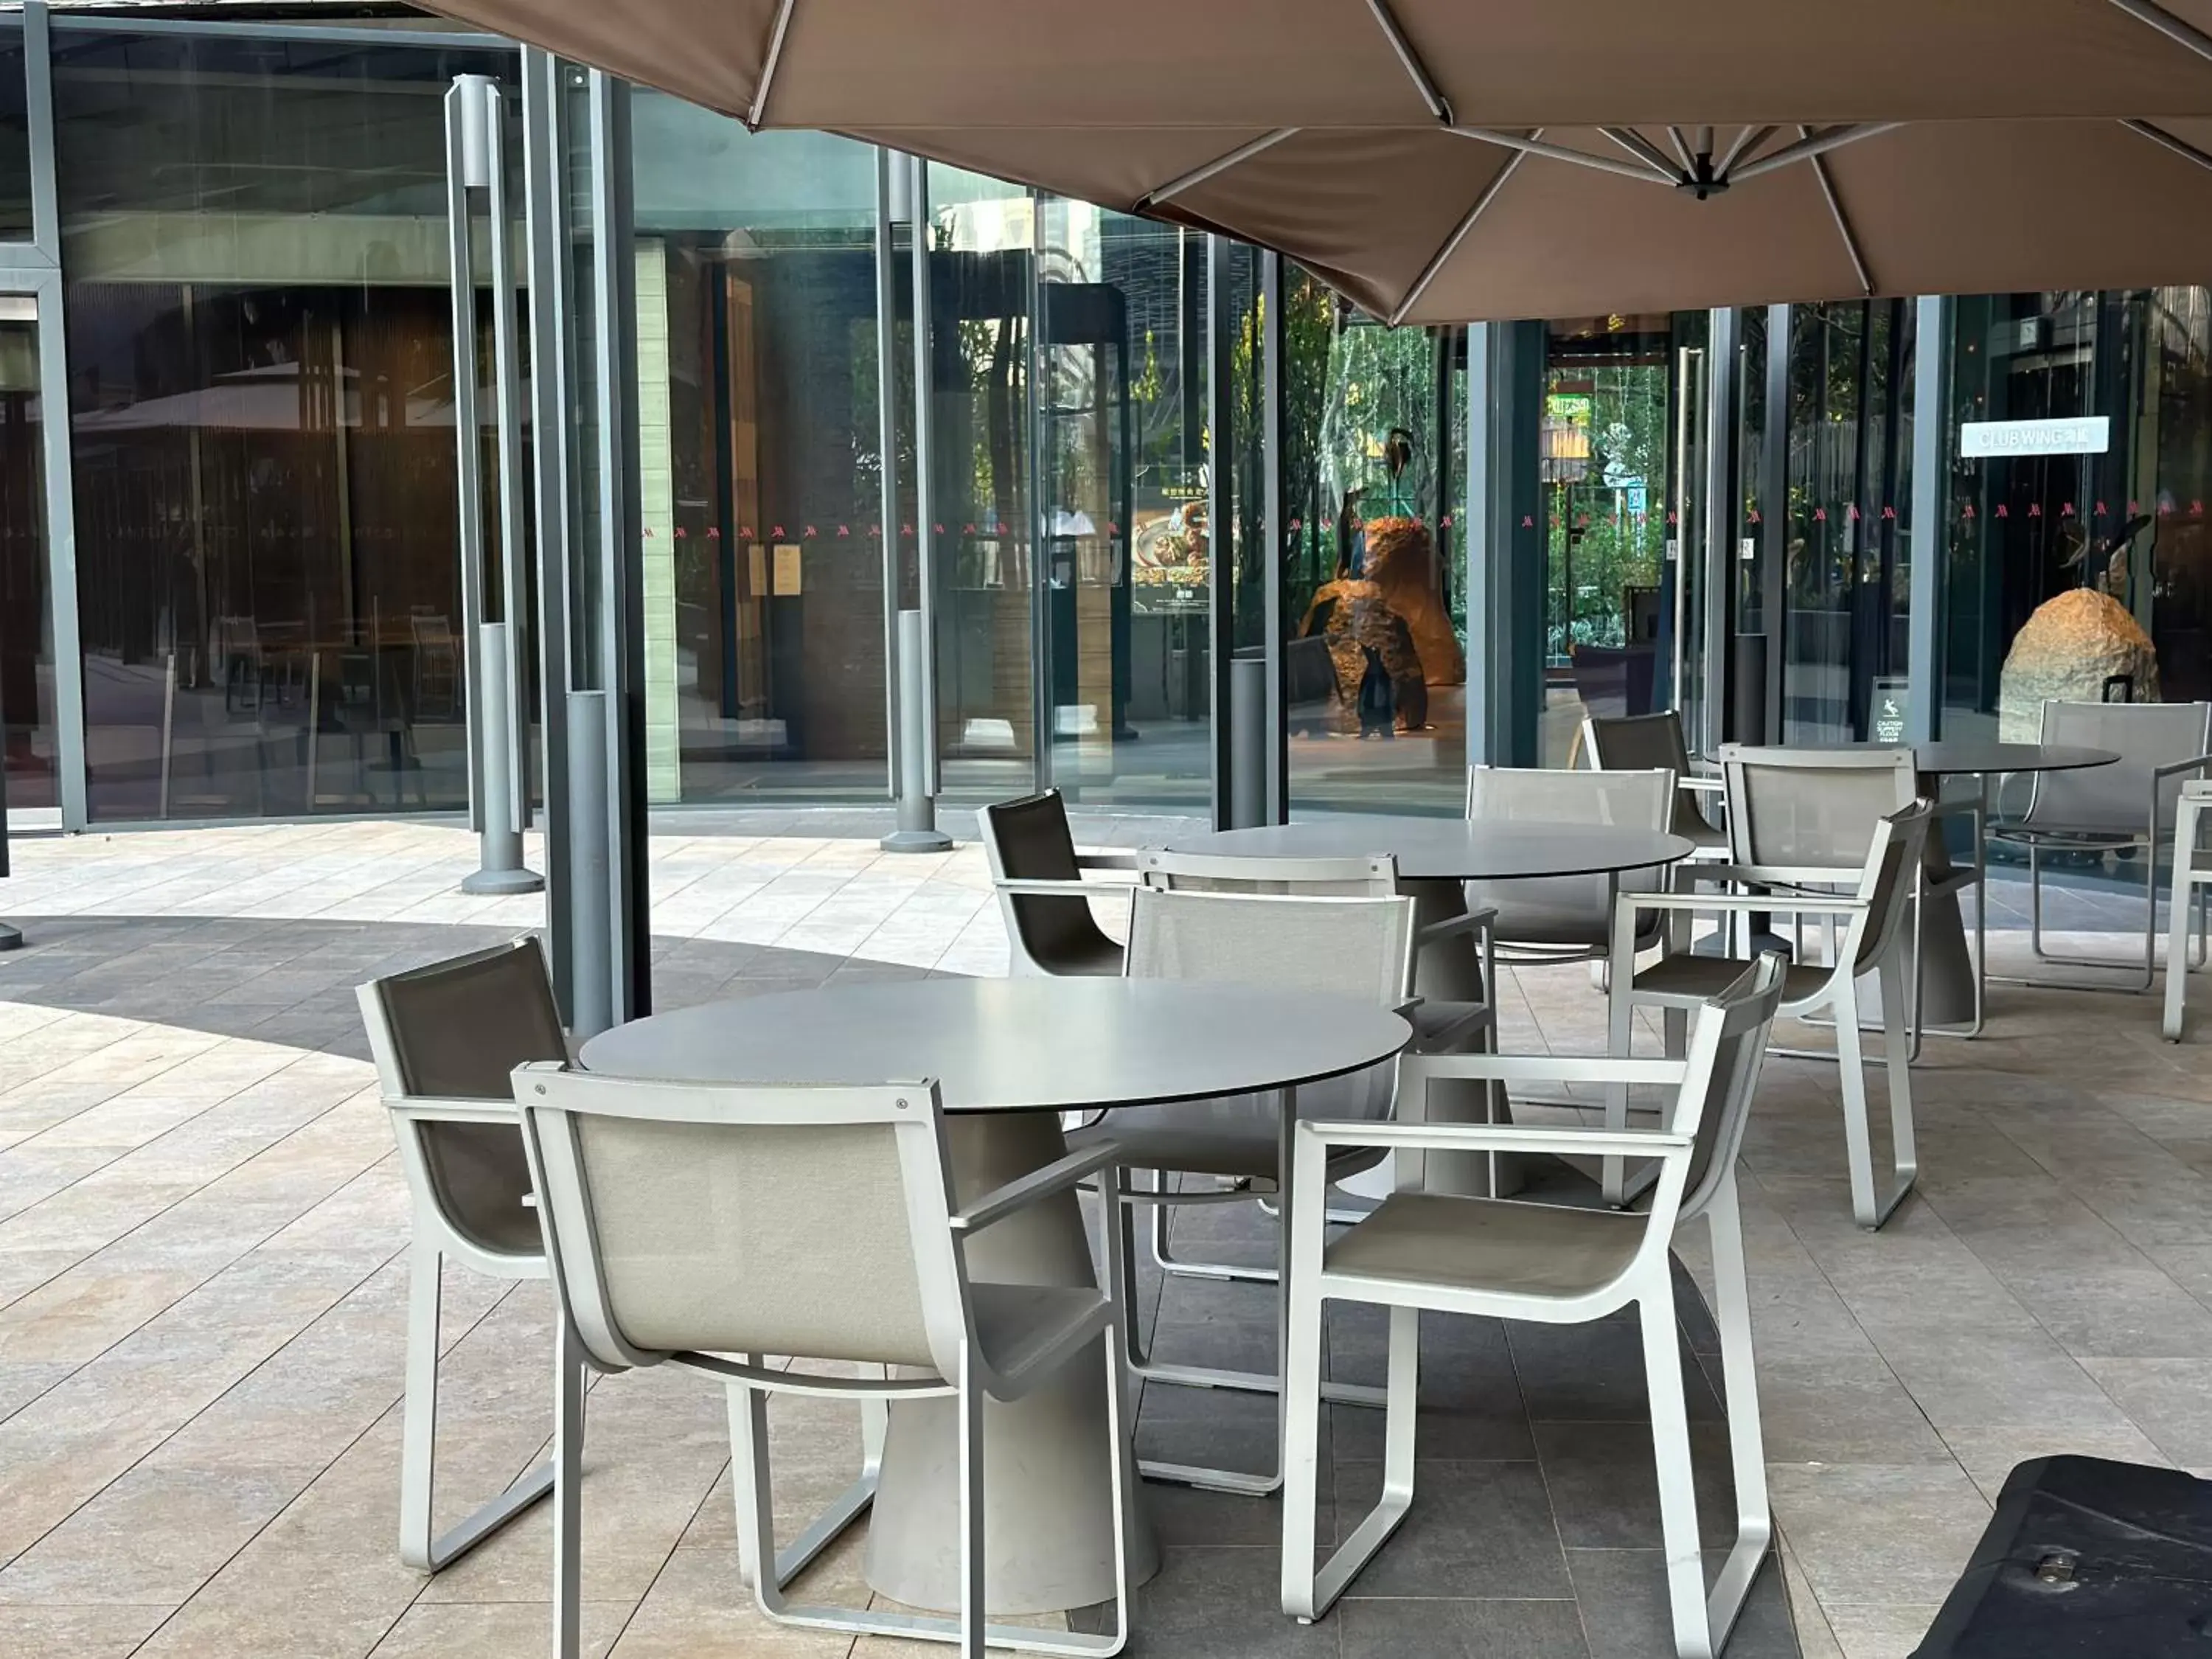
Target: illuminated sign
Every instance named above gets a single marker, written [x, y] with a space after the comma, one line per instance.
[2090, 434]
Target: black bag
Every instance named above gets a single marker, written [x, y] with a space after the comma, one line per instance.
[2085, 1559]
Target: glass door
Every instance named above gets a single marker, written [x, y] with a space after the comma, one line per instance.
[26, 654]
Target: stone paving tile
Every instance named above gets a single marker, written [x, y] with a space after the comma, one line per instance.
[201, 1292]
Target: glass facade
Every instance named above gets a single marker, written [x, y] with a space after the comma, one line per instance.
[248, 283]
[260, 347]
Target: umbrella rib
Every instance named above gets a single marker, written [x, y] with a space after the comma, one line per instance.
[1811, 145]
[2158, 17]
[1562, 153]
[1681, 152]
[1459, 234]
[2165, 140]
[1423, 82]
[1199, 175]
[1843, 223]
[1747, 141]
[1636, 144]
[767, 65]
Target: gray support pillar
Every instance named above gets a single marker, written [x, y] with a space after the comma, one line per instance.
[1774, 518]
[552, 383]
[1505, 544]
[892, 207]
[1932, 506]
[1274, 804]
[1220, 503]
[1723, 412]
[616, 624]
[498, 718]
[916, 729]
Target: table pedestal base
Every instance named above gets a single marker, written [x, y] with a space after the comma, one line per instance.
[1450, 971]
[1048, 1524]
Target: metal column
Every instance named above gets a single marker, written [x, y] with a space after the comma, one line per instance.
[1503, 543]
[1221, 591]
[1931, 477]
[1723, 409]
[914, 696]
[498, 711]
[1774, 517]
[1273, 540]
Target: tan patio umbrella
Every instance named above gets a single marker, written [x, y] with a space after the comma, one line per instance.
[1428, 225]
[1448, 159]
[883, 66]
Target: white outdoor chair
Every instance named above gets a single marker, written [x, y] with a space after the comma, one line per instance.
[2126, 807]
[1555, 919]
[444, 1038]
[1645, 742]
[710, 1226]
[1439, 1027]
[1353, 946]
[1038, 876]
[1872, 943]
[1503, 1259]
[2192, 873]
[1807, 818]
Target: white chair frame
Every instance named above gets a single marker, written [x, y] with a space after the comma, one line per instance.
[2023, 831]
[433, 1240]
[550, 1096]
[1702, 1622]
[1020, 963]
[2191, 875]
[1709, 788]
[1870, 1205]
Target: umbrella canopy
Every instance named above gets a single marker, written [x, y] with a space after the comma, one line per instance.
[1442, 160]
[887, 64]
[1434, 227]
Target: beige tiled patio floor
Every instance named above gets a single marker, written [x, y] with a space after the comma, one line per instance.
[202, 1279]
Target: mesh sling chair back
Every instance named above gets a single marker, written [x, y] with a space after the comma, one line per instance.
[1873, 940]
[1038, 876]
[1807, 817]
[444, 1038]
[1565, 918]
[1648, 743]
[711, 1226]
[1352, 946]
[1506, 1259]
[2129, 806]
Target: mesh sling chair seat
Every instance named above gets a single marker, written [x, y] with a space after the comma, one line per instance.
[711, 1226]
[2126, 807]
[1439, 1026]
[1353, 945]
[1501, 1258]
[2192, 872]
[444, 1038]
[1553, 919]
[1872, 943]
[1038, 877]
[1646, 743]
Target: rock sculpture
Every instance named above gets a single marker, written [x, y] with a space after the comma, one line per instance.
[2069, 650]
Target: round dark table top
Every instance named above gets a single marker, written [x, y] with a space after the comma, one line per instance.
[1016, 1045]
[1960, 756]
[1453, 849]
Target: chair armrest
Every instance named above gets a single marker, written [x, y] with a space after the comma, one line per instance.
[1039, 888]
[439, 1108]
[2177, 768]
[1106, 860]
[1019, 1193]
[1472, 922]
[1500, 1138]
[1787, 904]
[1551, 1069]
[1704, 786]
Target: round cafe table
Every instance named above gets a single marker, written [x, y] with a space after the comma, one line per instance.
[1435, 856]
[1009, 1056]
[1953, 993]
